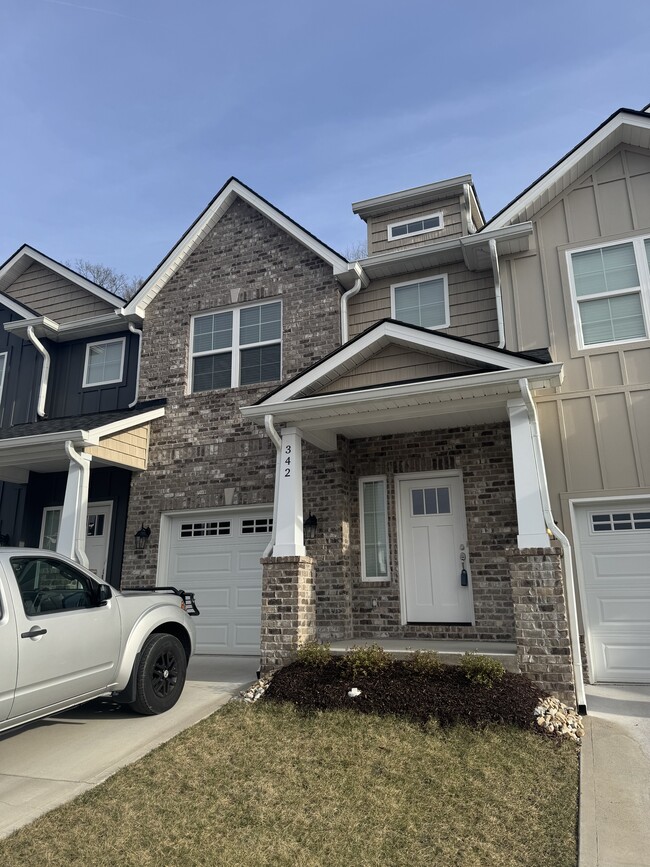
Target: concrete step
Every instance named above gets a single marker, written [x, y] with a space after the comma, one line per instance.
[450, 650]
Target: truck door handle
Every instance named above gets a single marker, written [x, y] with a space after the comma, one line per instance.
[33, 633]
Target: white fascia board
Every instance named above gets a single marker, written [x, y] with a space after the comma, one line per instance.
[77, 437]
[548, 180]
[15, 307]
[210, 218]
[471, 244]
[43, 327]
[405, 336]
[127, 423]
[379, 204]
[538, 376]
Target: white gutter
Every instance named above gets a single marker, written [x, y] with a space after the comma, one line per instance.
[572, 610]
[471, 228]
[84, 465]
[137, 331]
[277, 442]
[497, 292]
[45, 372]
[344, 308]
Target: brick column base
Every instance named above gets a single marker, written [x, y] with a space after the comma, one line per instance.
[541, 623]
[288, 608]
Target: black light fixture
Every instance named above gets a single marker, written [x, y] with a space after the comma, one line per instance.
[142, 537]
[309, 527]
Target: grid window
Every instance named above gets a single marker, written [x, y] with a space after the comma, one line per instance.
[256, 525]
[417, 226]
[200, 529]
[104, 362]
[430, 501]
[611, 292]
[237, 347]
[374, 529]
[610, 522]
[424, 302]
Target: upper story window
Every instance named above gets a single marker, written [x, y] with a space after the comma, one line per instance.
[418, 226]
[423, 302]
[611, 292]
[104, 362]
[237, 347]
[3, 369]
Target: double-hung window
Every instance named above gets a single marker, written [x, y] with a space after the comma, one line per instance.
[104, 362]
[237, 347]
[374, 528]
[611, 291]
[422, 302]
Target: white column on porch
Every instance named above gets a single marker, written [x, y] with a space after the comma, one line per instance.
[73, 528]
[289, 540]
[530, 513]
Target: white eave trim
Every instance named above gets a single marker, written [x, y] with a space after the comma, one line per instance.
[96, 326]
[15, 307]
[126, 423]
[539, 376]
[562, 168]
[208, 220]
[43, 327]
[411, 197]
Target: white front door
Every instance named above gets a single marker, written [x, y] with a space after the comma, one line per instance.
[97, 534]
[433, 545]
[614, 563]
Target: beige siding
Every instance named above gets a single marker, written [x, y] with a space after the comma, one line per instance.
[394, 364]
[49, 294]
[472, 306]
[378, 226]
[596, 428]
[128, 449]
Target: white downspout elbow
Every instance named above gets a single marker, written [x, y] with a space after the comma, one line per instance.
[572, 608]
[345, 298]
[138, 332]
[497, 292]
[277, 442]
[45, 372]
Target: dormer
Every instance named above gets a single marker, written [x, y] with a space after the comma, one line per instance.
[397, 221]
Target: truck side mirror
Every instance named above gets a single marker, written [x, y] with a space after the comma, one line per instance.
[104, 594]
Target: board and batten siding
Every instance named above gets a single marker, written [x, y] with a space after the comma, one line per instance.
[472, 305]
[50, 294]
[22, 375]
[596, 427]
[452, 226]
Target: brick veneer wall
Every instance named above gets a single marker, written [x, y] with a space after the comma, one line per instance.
[288, 608]
[203, 446]
[541, 625]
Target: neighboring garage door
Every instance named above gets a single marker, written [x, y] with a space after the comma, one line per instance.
[217, 556]
[614, 553]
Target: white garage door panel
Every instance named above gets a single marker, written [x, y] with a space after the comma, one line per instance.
[615, 567]
[224, 571]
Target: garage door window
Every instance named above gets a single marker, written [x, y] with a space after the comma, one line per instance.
[256, 525]
[608, 522]
[205, 528]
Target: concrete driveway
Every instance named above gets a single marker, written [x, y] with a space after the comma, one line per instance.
[53, 760]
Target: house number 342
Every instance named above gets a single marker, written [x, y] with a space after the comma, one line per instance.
[287, 462]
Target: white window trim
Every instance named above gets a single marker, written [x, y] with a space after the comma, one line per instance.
[89, 346]
[643, 290]
[43, 519]
[391, 226]
[5, 356]
[362, 532]
[395, 286]
[235, 347]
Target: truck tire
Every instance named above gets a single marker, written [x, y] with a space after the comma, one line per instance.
[160, 676]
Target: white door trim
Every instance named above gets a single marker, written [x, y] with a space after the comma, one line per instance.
[579, 502]
[436, 475]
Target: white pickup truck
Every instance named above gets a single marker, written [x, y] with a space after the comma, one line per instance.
[67, 637]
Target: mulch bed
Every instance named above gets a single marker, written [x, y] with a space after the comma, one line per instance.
[446, 696]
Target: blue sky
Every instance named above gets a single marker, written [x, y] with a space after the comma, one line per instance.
[120, 119]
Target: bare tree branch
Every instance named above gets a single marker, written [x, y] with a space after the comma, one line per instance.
[107, 277]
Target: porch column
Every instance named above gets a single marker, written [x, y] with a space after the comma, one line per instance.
[73, 528]
[289, 540]
[530, 515]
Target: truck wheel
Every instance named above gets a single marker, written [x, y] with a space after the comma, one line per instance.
[160, 676]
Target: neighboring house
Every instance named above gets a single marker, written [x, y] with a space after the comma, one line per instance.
[71, 431]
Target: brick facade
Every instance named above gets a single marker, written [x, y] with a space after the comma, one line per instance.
[288, 608]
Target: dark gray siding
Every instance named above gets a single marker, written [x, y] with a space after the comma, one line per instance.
[22, 377]
[12, 505]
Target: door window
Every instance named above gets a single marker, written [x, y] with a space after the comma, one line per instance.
[48, 586]
[430, 501]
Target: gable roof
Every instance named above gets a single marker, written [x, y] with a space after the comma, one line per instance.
[26, 256]
[205, 222]
[358, 350]
[21, 309]
[626, 125]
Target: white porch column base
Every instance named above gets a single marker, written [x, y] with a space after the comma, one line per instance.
[530, 513]
[74, 515]
[289, 540]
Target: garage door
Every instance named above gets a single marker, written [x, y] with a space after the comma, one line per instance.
[614, 555]
[217, 556]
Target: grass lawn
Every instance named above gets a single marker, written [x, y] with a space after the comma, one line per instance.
[266, 785]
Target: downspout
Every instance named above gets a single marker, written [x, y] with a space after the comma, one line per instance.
[497, 292]
[80, 553]
[45, 372]
[564, 542]
[344, 308]
[137, 331]
[277, 442]
[471, 228]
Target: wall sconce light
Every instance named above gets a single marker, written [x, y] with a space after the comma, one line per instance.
[142, 537]
[309, 527]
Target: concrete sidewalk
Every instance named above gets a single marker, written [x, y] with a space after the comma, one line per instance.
[615, 777]
[53, 760]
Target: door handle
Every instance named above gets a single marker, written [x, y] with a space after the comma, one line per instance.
[33, 633]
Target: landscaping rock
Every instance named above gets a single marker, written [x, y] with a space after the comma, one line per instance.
[558, 719]
[256, 690]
